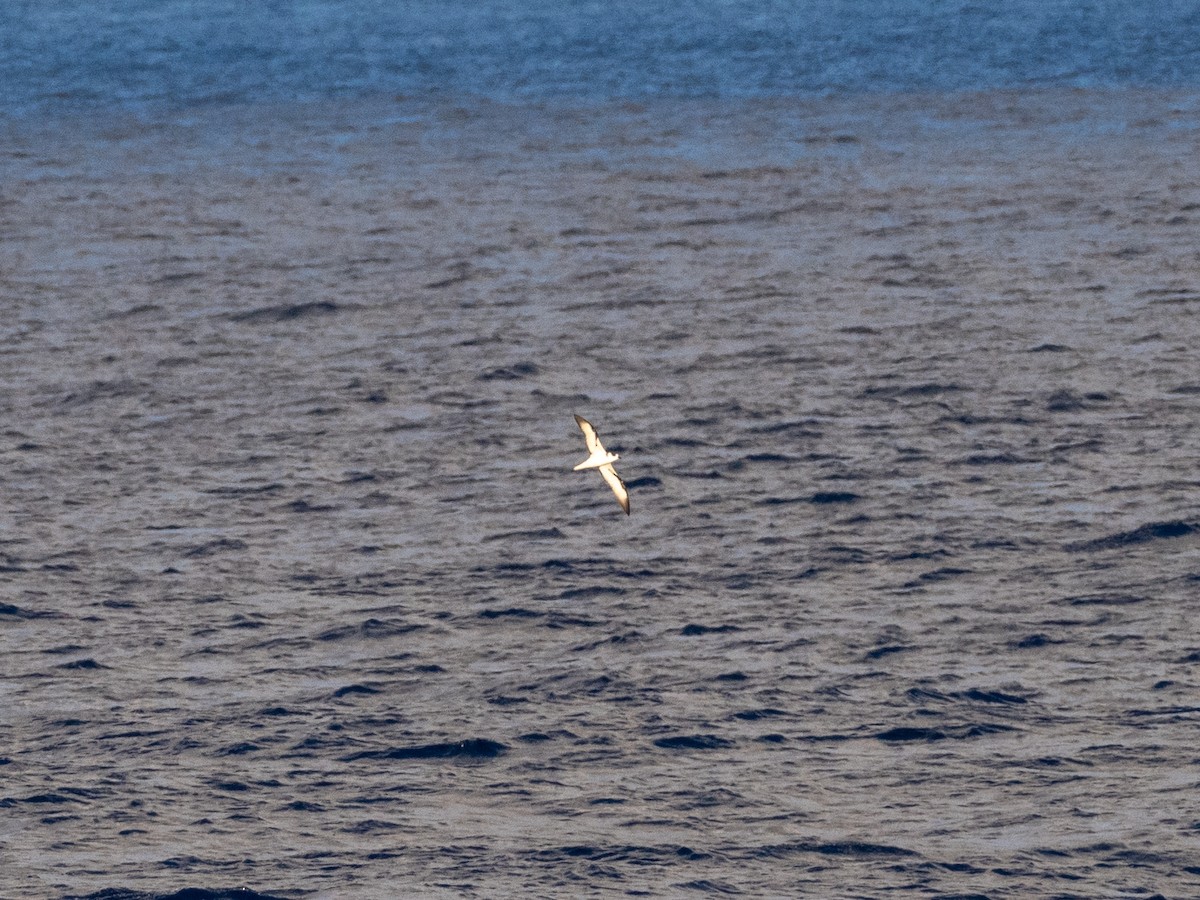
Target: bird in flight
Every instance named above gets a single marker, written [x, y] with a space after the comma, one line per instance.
[601, 459]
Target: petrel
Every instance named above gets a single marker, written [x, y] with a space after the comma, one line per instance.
[601, 459]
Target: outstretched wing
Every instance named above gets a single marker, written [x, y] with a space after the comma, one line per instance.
[617, 485]
[589, 434]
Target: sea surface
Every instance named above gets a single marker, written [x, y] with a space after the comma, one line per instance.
[155, 54]
[891, 310]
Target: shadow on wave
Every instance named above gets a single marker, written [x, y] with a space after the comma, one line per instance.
[1151, 531]
[472, 748]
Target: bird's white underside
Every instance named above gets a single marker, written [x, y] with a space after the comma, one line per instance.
[601, 459]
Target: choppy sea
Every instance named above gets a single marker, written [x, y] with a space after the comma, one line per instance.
[890, 309]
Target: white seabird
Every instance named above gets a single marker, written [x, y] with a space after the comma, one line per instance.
[601, 459]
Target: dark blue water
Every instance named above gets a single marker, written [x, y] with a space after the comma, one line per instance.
[891, 310]
[62, 57]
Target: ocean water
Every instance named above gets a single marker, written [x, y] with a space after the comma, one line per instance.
[891, 311]
[177, 53]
